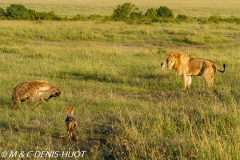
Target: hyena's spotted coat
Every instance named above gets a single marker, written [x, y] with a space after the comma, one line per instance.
[32, 90]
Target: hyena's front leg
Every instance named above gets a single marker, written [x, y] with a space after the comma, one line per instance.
[14, 104]
[31, 103]
[16, 101]
[39, 101]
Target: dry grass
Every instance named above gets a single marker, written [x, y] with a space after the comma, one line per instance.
[198, 8]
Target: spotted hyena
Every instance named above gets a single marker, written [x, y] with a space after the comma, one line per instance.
[34, 90]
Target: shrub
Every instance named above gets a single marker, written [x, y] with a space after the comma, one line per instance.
[20, 12]
[233, 20]
[136, 15]
[151, 13]
[139, 18]
[48, 16]
[2, 13]
[94, 17]
[123, 11]
[216, 18]
[164, 12]
[182, 17]
[79, 17]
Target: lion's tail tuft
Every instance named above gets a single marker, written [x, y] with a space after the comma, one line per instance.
[222, 71]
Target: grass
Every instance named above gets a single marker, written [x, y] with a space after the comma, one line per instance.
[126, 106]
[203, 8]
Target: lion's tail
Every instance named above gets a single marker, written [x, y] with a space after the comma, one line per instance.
[222, 71]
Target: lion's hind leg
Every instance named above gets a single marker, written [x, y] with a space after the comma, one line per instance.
[209, 79]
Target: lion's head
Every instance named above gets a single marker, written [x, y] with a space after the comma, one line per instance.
[173, 60]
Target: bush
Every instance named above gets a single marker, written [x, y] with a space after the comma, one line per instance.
[20, 12]
[136, 15]
[151, 13]
[79, 17]
[2, 13]
[48, 16]
[233, 20]
[94, 17]
[216, 18]
[164, 12]
[182, 17]
[123, 11]
[139, 18]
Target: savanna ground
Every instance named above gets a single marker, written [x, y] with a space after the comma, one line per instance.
[126, 106]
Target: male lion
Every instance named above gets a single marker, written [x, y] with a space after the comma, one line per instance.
[188, 67]
[34, 89]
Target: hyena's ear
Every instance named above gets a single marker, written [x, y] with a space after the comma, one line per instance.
[52, 85]
[73, 108]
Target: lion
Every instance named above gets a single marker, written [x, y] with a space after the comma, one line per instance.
[32, 90]
[188, 67]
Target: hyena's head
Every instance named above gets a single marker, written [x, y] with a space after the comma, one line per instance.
[54, 91]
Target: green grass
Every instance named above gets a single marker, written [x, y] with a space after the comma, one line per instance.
[126, 106]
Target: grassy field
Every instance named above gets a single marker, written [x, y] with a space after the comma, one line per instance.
[126, 106]
[204, 8]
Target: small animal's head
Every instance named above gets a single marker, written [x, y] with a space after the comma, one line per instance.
[70, 111]
[163, 65]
